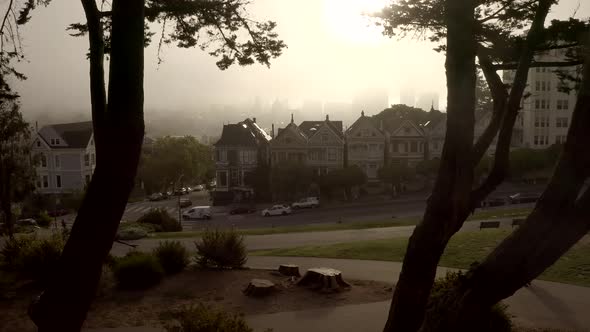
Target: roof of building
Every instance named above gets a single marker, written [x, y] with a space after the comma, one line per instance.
[245, 133]
[310, 127]
[76, 135]
[371, 120]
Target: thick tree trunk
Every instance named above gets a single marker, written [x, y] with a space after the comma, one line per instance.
[6, 208]
[450, 197]
[560, 219]
[64, 304]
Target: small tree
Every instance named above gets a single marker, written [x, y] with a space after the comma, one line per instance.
[290, 180]
[395, 174]
[17, 170]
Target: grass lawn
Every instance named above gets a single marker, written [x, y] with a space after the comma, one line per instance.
[464, 249]
[394, 222]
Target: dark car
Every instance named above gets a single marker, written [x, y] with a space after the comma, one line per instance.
[185, 202]
[523, 198]
[242, 209]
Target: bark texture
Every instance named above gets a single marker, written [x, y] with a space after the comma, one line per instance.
[118, 137]
[450, 196]
[324, 279]
[560, 219]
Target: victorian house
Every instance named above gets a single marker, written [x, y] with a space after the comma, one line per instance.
[325, 145]
[241, 148]
[407, 143]
[366, 144]
[290, 145]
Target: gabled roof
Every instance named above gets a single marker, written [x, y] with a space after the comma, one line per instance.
[419, 129]
[309, 128]
[364, 118]
[76, 135]
[245, 133]
[292, 127]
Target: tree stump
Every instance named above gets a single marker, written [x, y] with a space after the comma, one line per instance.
[324, 279]
[289, 270]
[259, 287]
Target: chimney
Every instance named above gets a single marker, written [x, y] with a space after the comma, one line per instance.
[362, 113]
[272, 131]
[327, 117]
[291, 117]
[254, 120]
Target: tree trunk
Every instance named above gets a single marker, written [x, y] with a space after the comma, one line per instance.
[560, 218]
[64, 304]
[6, 207]
[450, 196]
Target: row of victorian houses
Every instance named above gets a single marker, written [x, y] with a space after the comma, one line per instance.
[325, 146]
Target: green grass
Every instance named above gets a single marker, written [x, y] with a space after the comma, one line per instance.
[463, 250]
[393, 222]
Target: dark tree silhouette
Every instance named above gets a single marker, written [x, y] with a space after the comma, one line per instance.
[119, 126]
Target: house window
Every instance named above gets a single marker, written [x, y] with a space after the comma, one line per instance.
[543, 104]
[222, 178]
[87, 178]
[38, 182]
[536, 141]
[561, 122]
[566, 104]
[57, 141]
[87, 159]
[559, 104]
[52, 141]
[395, 147]
[38, 143]
[537, 85]
[93, 159]
[538, 70]
[92, 141]
[45, 181]
[543, 86]
[57, 162]
[549, 86]
[537, 103]
[58, 181]
[436, 145]
[536, 122]
[43, 160]
[282, 156]
[406, 130]
[413, 146]
[332, 154]
[324, 137]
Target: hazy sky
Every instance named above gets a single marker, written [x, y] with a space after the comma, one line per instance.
[331, 54]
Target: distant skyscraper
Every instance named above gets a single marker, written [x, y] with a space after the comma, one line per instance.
[407, 97]
[427, 100]
[372, 101]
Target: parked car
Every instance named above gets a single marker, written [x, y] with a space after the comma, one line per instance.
[180, 192]
[189, 189]
[198, 212]
[185, 202]
[308, 202]
[26, 222]
[156, 197]
[198, 187]
[58, 213]
[165, 194]
[523, 198]
[169, 193]
[277, 210]
[242, 209]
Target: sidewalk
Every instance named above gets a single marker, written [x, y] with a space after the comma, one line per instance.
[545, 304]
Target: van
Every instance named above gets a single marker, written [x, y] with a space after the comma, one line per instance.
[197, 212]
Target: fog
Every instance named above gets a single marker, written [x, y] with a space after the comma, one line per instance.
[336, 63]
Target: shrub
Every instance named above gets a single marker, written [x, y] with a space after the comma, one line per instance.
[131, 233]
[201, 318]
[172, 255]
[44, 220]
[497, 320]
[31, 257]
[221, 249]
[161, 219]
[137, 271]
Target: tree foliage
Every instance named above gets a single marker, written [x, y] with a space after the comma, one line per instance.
[169, 157]
[223, 28]
[290, 180]
[17, 170]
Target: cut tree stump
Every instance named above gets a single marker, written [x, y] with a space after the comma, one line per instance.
[324, 279]
[259, 287]
[289, 270]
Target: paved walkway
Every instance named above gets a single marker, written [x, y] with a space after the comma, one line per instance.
[290, 240]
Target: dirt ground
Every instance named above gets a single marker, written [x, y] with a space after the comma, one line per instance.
[223, 289]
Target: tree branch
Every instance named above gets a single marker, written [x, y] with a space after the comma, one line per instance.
[502, 157]
[6, 16]
[508, 66]
[500, 97]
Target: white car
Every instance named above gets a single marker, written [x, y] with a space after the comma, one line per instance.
[308, 202]
[276, 210]
[197, 212]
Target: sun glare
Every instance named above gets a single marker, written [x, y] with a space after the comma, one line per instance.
[345, 19]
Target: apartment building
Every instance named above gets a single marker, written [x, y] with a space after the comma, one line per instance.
[546, 113]
[67, 157]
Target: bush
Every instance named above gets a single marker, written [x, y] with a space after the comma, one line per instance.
[137, 271]
[201, 318]
[162, 221]
[32, 258]
[44, 220]
[221, 249]
[172, 255]
[497, 320]
[131, 233]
